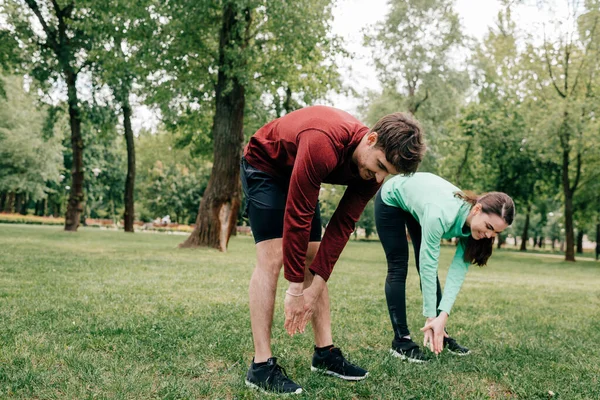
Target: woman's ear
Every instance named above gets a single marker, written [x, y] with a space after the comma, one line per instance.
[476, 208]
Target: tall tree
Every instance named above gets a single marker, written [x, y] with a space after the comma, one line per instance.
[565, 71]
[126, 31]
[259, 48]
[54, 47]
[414, 50]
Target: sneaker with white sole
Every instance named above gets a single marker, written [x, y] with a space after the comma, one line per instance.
[271, 378]
[455, 348]
[332, 362]
[408, 350]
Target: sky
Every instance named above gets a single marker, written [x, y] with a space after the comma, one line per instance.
[477, 16]
[352, 16]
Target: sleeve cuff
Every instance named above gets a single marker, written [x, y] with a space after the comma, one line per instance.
[322, 273]
[293, 278]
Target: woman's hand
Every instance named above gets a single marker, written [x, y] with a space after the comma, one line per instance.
[435, 331]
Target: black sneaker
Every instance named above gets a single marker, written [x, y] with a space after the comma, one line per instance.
[455, 348]
[271, 378]
[408, 350]
[333, 363]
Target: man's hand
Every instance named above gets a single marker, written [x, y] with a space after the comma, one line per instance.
[435, 331]
[311, 296]
[294, 308]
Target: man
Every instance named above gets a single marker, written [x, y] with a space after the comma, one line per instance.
[283, 167]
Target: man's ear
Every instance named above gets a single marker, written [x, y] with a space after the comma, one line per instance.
[372, 138]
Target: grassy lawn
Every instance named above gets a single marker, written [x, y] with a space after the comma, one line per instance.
[108, 315]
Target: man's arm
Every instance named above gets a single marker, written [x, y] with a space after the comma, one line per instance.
[315, 159]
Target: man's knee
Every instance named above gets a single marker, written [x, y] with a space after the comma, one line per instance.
[269, 256]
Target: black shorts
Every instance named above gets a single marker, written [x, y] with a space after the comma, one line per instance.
[266, 196]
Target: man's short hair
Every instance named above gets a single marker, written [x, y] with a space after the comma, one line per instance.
[400, 136]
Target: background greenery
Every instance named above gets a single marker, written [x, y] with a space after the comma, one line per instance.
[104, 315]
[515, 111]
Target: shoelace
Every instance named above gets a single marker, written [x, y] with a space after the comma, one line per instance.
[450, 341]
[339, 356]
[277, 370]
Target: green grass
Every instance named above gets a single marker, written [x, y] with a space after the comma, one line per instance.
[109, 315]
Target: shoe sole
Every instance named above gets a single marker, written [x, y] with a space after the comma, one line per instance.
[456, 353]
[254, 386]
[344, 377]
[406, 358]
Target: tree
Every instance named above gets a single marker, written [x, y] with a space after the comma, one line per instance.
[262, 46]
[414, 51]
[565, 72]
[54, 47]
[124, 36]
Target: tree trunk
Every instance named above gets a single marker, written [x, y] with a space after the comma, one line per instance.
[129, 214]
[3, 198]
[579, 242]
[569, 227]
[217, 214]
[500, 241]
[287, 104]
[524, 236]
[597, 240]
[17, 202]
[24, 204]
[75, 203]
[463, 164]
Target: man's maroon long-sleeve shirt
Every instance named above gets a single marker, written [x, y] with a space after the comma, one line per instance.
[311, 146]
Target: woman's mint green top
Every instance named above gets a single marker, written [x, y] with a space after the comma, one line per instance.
[430, 199]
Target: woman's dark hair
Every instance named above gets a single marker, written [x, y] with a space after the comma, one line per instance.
[498, 203]
[400, 136]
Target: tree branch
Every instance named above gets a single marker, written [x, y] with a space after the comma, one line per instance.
[422, 101]
[50, 33]
[587, 48]
[561, 94]
[577, 174]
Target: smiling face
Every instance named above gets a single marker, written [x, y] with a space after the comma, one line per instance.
[484, 225]
[371, 160]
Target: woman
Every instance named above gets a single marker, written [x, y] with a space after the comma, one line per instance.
[433, 209]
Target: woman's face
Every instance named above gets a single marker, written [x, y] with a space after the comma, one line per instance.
[485, 225]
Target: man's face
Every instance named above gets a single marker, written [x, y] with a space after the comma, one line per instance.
[484, 225]
[371, 161]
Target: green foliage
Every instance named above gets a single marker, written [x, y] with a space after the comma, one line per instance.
[287, 48]
[367, 220]
[28, 160]
[414, 50]
[329, 198]
[170, 181]
[110, 315]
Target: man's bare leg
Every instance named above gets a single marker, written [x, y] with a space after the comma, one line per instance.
[321, 318]
[335, 365]
[263, 288]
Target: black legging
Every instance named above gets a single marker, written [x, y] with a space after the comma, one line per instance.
[391, 225]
